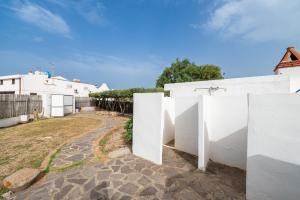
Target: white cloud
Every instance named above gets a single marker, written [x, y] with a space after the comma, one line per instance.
[258, 20]
[91, 10]
[42, 18]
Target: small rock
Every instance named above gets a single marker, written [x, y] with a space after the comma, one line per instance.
[21, 179]
[119, 152]
[8, 196]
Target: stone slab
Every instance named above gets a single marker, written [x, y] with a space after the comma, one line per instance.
[119, 152]
[21, 179]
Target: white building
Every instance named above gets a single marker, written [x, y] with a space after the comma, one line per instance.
[58, 93]
[39, 83]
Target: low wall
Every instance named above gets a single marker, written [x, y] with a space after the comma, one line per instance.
[273, 165]
[9, 122]
[88, 109]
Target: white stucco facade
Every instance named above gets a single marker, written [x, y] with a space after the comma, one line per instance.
[273, 163]
[39, 83]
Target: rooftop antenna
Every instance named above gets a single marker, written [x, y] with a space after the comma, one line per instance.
[52, 68]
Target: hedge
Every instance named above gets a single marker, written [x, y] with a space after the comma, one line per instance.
[121, 100]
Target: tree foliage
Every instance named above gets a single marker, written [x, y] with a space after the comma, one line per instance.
[185, 71]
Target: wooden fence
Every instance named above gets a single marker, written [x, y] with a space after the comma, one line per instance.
[12, 105]
[84, 102]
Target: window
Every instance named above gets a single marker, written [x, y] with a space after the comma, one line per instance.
[13, 81]
[7, 92]
[76, 91]
[33, 94]
[1, 82]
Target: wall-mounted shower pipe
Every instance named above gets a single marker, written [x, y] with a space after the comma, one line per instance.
[211, 89]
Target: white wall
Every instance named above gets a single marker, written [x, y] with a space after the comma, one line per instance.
[169, 121]
[148, 122]
[203, 138]
[288, 70]
[295, 81]
[46, 105]
[8, 86]
[9, 121]
[186, 124]
[40, 84]
[227, 118]
[273, 165]
[234, 86]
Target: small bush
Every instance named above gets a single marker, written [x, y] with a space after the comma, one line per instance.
[128, 130]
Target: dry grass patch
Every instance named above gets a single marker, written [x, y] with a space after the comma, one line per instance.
[113, 140]
[27, 145]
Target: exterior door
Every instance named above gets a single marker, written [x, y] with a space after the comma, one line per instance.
[57, 105]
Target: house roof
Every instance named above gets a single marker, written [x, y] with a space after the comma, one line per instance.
[290, 59]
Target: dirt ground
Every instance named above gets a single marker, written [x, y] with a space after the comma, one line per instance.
[113, 140]
[28, 144]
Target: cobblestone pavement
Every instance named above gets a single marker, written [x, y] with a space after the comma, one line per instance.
[130, 177]
[81, 149]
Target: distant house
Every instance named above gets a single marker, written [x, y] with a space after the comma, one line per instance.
[58, 93]
[40, 83]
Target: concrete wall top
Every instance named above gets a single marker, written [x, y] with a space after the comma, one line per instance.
[235, 86]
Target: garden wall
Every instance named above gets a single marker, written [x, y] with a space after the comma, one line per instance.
[226, 124]
[169, 120]
[186, 124]
[203, 138]
[148, 124]
[273, 165]
[9, 121]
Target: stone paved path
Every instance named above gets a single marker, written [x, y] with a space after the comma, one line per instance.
[130, 177]
[81, 149]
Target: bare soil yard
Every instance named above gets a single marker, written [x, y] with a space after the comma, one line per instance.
[28, 144]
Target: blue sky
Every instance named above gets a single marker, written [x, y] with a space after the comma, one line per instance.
[127, 43]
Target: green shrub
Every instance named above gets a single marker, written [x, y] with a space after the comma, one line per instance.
[125, 94]
[128, 130]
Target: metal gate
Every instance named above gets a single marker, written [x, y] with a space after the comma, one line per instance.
[68, 104]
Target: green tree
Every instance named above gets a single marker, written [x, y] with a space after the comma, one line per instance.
[185, 71]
